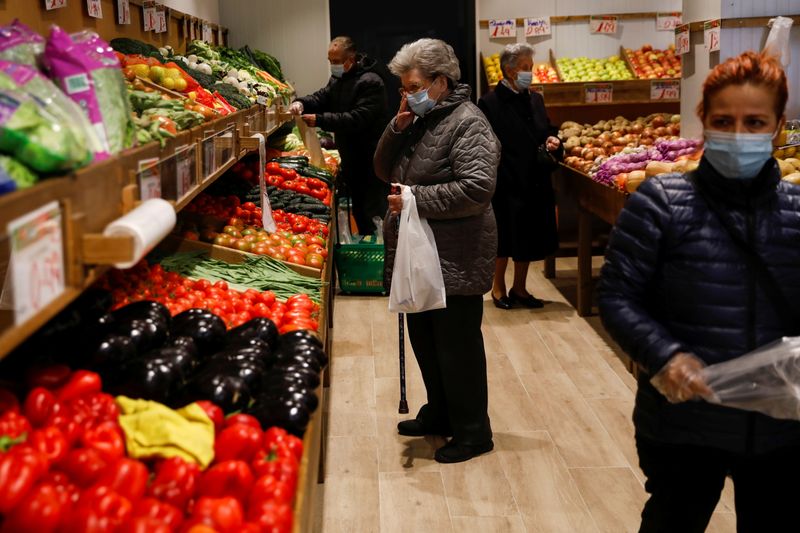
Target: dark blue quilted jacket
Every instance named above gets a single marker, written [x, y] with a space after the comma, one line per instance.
[674, 281]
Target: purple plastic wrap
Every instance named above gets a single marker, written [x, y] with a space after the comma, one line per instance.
[20, 44]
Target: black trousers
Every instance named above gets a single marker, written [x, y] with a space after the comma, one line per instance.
[685, 483]
[448, 345]
[368, 194]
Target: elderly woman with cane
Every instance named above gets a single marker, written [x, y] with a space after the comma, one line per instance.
[442, 147]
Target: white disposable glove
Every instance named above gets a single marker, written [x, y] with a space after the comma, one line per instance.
[296, 108]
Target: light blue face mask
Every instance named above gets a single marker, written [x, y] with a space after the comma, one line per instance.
[524, 79]
[420, 103]
[337, 70]
[737, 155]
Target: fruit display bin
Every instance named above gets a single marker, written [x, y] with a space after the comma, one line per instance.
[647, 63]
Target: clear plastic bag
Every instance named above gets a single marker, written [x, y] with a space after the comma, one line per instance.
[766, 380]
[778, 39]
[417, 282]
[378, 221]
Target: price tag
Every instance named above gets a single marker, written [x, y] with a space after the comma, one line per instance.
[149, 179]
[598, 93]
[665, 90]
[161, 21]
[502, 29]
[37, 260]
[123, 12]
[668, 21]
[149, 18]
[206, 32]
[94, 8]
[209, 157]
[607, 24]
[183, 170]
[711, 32]
[537, 26]
[682, 39]
[54, 4]
[538, 89]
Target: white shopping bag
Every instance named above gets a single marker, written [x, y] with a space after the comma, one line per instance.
[778, 39]
[417, 283]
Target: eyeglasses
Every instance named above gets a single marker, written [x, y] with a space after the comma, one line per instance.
[403, 92]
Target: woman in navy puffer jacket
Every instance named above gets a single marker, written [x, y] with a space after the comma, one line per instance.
[677, 293]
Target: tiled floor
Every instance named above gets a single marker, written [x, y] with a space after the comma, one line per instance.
[560, 402]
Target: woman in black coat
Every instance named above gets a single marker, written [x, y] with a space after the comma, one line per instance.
[524, 201]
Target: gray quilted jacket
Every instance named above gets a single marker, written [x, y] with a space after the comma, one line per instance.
[449, 159]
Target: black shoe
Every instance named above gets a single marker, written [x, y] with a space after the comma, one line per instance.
[452, 452]
[502, 303]
[529, 301]
[415, 428]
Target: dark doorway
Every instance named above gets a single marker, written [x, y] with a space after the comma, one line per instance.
[379, 31]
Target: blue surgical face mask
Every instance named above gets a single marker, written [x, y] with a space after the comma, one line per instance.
[524, 79]
[420, 102]
[337, 70]
[737, 155]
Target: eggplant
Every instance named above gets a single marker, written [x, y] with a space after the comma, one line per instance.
[111, 355]
[284, 381]
[289, 414]
[263, 328]
[305, 361]
[298, 363]
[143, 309]
[309, 377]
[292, 392]
[251, 372]
[255, 350]
[146, 333]
[205, 328]
[296, 336]
[228, 392]
[153, 379]
[308, 350]
[180, 358]
[185, 342]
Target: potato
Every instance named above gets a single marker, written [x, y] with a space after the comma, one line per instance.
[786, 167]
[654, 168]
[795, 162]
[794, 177]
[570, 124]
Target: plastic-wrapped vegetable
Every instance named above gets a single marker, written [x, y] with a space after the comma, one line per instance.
[89, 72]
[14, 175]
[33, 135]
[20, 44]
[30, 80]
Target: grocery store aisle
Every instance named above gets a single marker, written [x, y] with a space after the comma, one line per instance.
[560, 403]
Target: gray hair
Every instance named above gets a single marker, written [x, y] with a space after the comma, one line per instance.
[430, 56]
[512, 53]
[345, 43]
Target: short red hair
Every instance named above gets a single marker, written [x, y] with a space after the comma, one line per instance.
[756, 68]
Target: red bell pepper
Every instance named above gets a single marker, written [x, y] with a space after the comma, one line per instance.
[98, 510]
[13, 425]
[67, 491]
[41, 508]
[8, 401]
[145, 524]
[175, 481]
[162, 512]
[240, 418]
[50, 377]
[127, 477]
[270, 488]
[279, 464]
[223, 514]
[83, 466]
[238, 441]
[272, 516]
[51, 442]
[214, 412]
[68, 425]
[229, 478]
[80, 383]
[275, 436]
[107, 440]
[39, 406]
[20, 469]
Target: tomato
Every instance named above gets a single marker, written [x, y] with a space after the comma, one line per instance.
[272, 167]
[287, 173]
[296, 259]
[202, 285]
[236, 222]
[299, 226]
[302, 188]
[249, 206]
[315, 260]
[274, 180]
[232, 231]
[243, 245]
[261, 310]
[316, 239]
[277, 255]
[221, 285]
[260, 248]
[319, 194]
[249, 238]
[268, 297]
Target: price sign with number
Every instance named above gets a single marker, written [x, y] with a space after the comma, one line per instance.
[665, 90]
[682, 39]
[94, 8]
[668, 21]
[54, 4]
[598, 93]
[161, 21]
[149, 18]
[607, 24]
[206, 32]
[502, 28]
[149, 179]
[711, 33]
[123, 12]
[37, 260]
[537, 26]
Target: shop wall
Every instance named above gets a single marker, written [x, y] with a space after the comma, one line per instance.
[296, 32]
[205, 9]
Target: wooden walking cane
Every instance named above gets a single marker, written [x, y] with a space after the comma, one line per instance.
[403, 408]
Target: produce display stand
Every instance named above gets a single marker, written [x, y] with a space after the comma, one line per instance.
[593, 199]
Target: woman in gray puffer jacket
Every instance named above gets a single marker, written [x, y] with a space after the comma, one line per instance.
[445, 151]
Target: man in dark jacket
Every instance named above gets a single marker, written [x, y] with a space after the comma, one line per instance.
[354, 107]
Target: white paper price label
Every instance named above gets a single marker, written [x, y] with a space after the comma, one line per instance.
[183, 171]
[206, 32]
[665, 90]
[123, 12]
[711, 35]
[502, 29]
[668, 21]
[598, 93]
[149, 179]
[54, 4]
[682, 39]
[94, 8]
[209, 157]
[607, 24]
[37, 260]
[535, 27]
[149, 18]
[161, 21]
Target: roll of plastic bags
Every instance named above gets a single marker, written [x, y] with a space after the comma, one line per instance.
[766, 380]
